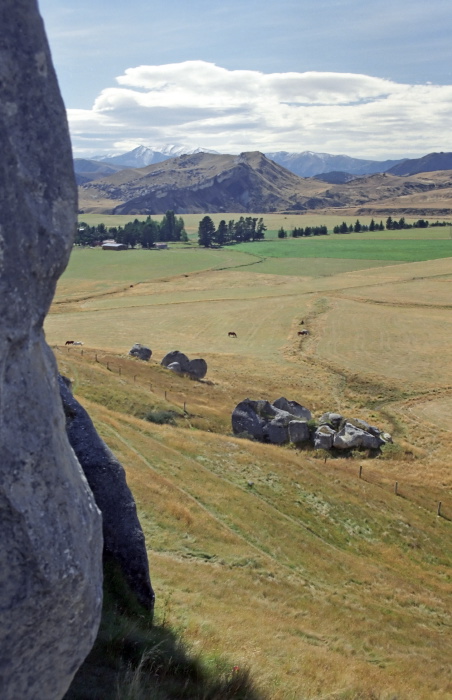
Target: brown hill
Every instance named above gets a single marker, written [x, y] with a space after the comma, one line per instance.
[202, 182]
[250, 182]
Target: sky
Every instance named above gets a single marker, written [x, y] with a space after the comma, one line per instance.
[365, 79]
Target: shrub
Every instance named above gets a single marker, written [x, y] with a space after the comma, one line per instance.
[162, 417]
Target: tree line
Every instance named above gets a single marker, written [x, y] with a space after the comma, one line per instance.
[247, 228]
[144, 233]
[390, 225]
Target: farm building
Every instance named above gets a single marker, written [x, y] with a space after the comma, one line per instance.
[161, 246]
[111, 245]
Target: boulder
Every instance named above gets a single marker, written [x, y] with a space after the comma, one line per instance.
[51, 530]
[350, 437]
[197, 368]
[276, 430]
[294, 408]
[323, 437]
[175, 367]
[176, 356]
[334, 420]
[141, 351]
[123, 536]
[298, 431]
[251, 416]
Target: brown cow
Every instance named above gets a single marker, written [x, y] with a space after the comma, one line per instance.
[69, 342]
[232, 334]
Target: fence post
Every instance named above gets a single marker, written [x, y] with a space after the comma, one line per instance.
[438, 512]
[96, 358]
[108, 366]
[396, 485]
[82, 351]
[185, 408]
[165, 395]
[360, 471]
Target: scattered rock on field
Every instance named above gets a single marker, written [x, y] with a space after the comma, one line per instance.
[140, 351]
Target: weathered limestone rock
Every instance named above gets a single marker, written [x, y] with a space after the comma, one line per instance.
[174, 367]
[298, 431]
[352, 437]
[294, 408]
[51, 537]
[141, 351]
[251, 416]
[123, 536]
[197, 368]
[332, 419]
[176, 356]
[323, 437]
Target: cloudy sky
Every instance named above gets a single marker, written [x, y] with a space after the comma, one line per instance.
[366, 79]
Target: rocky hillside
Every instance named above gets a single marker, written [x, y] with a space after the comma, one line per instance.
[426, 164]
[203, 182]
[250, 182]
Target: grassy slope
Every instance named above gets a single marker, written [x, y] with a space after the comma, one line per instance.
[322, 584]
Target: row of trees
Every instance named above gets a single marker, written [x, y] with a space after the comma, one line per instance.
[245, 229]
[299, 232]
[390, 225]
[143, 233]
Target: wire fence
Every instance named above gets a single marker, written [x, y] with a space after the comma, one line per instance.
[432, 499]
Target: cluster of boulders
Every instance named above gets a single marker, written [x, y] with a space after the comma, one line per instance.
[175, 361]
[286, 421]
[178, 362]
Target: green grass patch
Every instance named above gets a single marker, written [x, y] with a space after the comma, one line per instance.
[342, 247]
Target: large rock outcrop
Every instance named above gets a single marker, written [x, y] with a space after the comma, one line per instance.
[51, 534]
[267, 422]
[286, 421]
[179, 362]
[123, 536]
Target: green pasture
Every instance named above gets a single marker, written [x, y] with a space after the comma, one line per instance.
[96, 271]
[342, 247]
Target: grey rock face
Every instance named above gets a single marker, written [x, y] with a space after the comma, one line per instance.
[352, 437]
[246, 418]
[323, 437]
[176, 356]
[141, 351]
[174, 367]
[332, 419]
[294, 408]
[51, 537]
[298, 431]
[123, 536]
[197, 368]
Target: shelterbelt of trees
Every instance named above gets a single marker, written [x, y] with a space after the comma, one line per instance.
[171, 228]
[390, 225]
[143, 233]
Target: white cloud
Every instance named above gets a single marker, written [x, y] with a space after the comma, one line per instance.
[200, 104]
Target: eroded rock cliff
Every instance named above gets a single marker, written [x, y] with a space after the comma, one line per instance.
[51, 539]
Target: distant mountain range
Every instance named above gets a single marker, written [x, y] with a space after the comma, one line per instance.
[332, 168]
[251, 182]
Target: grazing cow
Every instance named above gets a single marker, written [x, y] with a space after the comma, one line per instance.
[303, 332]
[77, 342]
[69, 342]
[231, 334]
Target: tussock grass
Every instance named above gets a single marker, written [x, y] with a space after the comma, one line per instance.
[313, 579]
[286, 563]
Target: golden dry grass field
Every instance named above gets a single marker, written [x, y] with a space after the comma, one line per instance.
[323, 584]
